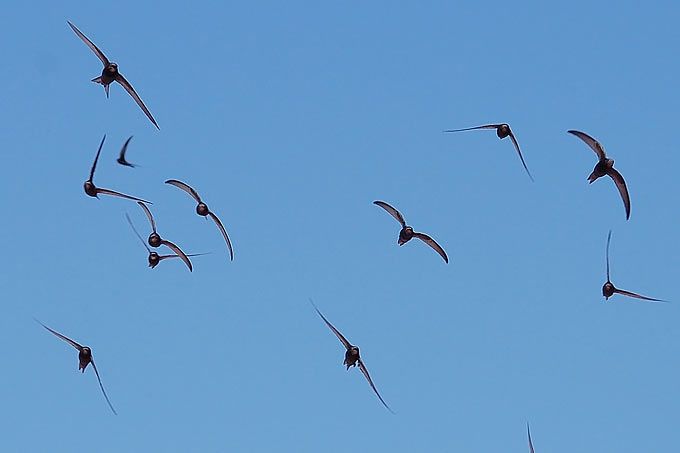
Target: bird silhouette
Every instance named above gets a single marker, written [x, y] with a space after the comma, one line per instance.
[84, 358]
[93, 191]
[407, 233]
[608, 289]
[202, 210]
[155, 239]
[110, 74]
[154, 257]
[605, 166]
[352, 357]
[502, 130]
[121, 157]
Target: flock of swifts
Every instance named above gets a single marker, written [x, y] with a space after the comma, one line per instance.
[110, 74]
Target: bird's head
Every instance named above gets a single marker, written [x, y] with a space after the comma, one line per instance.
[608, 290]
[154, 240]
[154, 259]
[202, 209]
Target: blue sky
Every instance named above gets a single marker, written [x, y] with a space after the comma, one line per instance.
[290, 119]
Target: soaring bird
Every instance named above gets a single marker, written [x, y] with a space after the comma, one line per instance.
[94, 191]
[84, 358]
[502, 130]
[407, 233]
[155, 258]
[110, 74]
[155, 239]
[605, 166]
[202, 210]
[608, 289]
[352, 357]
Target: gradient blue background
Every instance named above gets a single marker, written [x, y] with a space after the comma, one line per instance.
[290, 118]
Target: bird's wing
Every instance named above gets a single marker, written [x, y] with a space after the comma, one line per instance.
[485, 126]
[101, 386]
[63, 337]
[224, 233]
[531, 445]
[121, 195]
[120, 79]
[179, 252]
[514, 142]
[392, 211]
[590, 141]
[623, 190]
[609, 238]
[96, 159]
[90, 44]
[335, 331]
[148, 215]
[135, 230]
[185, 187]
[363, 369]
[637, 296]
[432, 243]
[162, 257]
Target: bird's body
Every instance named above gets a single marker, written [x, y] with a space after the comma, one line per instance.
[405, 235]
[351, 357]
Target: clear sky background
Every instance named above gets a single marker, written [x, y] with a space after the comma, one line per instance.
[290, 118]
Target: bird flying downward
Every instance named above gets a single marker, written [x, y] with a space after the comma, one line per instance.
[352, 357]
[155, 239]
[407, 233]
[93, 191]
[502, 130]
[155, 258]
[608, 289]
[84, 358]
[605, 166]
[110, 74]
[202, 210]
[121, 157]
